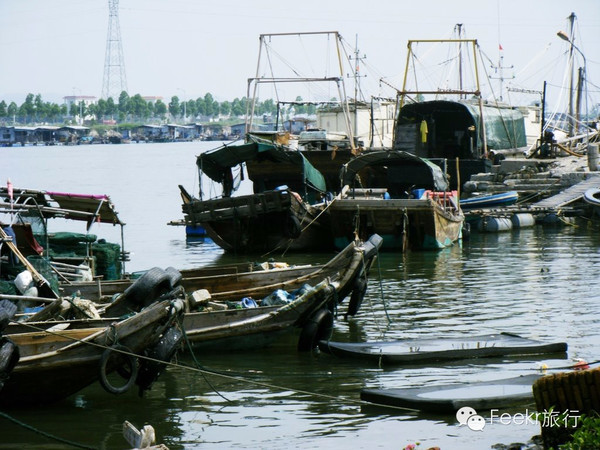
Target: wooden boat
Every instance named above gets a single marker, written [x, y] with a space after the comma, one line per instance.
[222, 320]
[71, 255]
[399, 196]
[275, 216]
[449, 398]
[489, 201]
[423, 351]
[58, 359]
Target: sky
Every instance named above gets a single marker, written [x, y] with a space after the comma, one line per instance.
[188, 48]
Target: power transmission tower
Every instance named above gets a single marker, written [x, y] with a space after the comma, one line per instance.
[114, 81]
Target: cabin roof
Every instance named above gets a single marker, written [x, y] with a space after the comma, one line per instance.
[82, 207]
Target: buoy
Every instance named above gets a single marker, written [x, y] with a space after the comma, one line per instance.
[581, 364]
[522, 220]
[493, 224]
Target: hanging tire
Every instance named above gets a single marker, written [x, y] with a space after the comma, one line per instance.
[357, 296]
[293, 230]
[175, 276]
[164, 350]
[151, 285]
[128, 371]
[319, 327]
[9, 356]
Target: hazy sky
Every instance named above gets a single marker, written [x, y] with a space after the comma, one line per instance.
[188, 48]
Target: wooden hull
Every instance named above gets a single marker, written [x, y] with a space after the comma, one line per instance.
[54, 365]
[253, 327]
[260, 222]
[481, 396]
[419, 351]
[403, 223]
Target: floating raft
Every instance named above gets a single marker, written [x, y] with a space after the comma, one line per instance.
[448, 398]
[418, 351]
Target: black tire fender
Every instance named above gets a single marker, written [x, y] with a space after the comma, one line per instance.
[9, 356]
[174, 276]
[357, 296]
[147, 288]
[318, 327]
[163, 350]
[293, 229]
[130, 371]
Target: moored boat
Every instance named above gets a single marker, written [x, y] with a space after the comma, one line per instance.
[450, 398]
[403, 198]
[420, 351]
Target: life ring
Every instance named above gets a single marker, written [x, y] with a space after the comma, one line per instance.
[293, 230]
[164, 350]
[357, 296]
[147, 288]
[129, 371]
[318, 327]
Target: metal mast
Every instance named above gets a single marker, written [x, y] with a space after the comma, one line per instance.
[114, 81]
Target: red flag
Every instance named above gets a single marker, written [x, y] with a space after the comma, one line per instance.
[500, 46]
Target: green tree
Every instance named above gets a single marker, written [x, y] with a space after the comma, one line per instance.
[200, 106]
[3, 109]
[209, 105]
[225, 108]
[160, 109]
[12, 110]
[174, 106]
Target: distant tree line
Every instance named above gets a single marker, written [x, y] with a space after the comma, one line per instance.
[135, 109]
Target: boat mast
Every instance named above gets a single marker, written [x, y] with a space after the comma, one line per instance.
[477, 92]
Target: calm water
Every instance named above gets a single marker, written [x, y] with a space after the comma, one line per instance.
[542, 283]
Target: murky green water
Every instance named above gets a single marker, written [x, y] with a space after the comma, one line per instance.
[541, 283]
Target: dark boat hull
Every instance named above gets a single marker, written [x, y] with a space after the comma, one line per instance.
[420, 351]
[450, 398]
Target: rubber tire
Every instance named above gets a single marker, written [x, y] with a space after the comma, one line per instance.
[133, 370]
[293, 230]
[357, 296]
[9, 356]
[174, 276]
[319, 327]
[151, 285]
[163, 350]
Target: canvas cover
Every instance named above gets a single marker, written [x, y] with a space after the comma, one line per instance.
[430, 175]
[217, 164]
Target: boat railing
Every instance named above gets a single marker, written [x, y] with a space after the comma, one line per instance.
[446, 199]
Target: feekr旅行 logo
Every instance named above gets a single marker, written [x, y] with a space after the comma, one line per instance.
[469, 417]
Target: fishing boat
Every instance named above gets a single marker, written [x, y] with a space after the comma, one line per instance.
[68, 255]
[424, 351]
[235, 309]
[452, 125]
[450, 398]
[400, 196]
[278, 215]
[59, 358]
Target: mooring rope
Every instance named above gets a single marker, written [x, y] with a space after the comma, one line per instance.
[45, 433]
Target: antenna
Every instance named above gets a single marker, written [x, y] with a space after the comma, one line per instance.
[357, 76]
[114, 81]
[499, 69]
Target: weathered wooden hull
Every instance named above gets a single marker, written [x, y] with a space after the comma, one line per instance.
[56, 364]
[403, 223]
[260, 222]
[255, 327]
